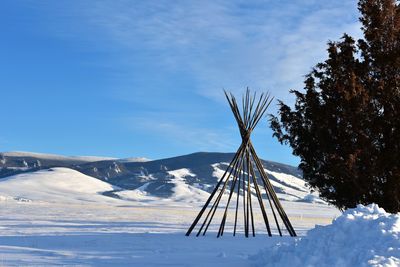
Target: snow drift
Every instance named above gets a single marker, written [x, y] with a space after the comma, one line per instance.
[364, 236]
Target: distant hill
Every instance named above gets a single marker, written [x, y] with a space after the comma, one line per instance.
[165, 178]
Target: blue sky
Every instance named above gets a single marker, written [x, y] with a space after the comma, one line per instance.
[145, 78]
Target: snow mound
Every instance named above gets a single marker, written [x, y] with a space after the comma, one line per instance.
[364, 236]
[55, 185]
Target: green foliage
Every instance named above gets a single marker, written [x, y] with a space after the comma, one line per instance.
[345, 125]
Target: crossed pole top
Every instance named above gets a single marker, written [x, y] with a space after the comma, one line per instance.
[253, 109]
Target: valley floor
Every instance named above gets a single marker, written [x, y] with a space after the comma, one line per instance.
[126, 233]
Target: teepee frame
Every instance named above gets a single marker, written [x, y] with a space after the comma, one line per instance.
[241, 173]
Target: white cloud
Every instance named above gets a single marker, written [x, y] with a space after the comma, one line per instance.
[183, 134]
[267, 45]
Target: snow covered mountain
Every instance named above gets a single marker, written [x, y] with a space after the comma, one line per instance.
[185, 178]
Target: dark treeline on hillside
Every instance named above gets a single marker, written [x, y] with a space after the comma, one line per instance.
[345, 125]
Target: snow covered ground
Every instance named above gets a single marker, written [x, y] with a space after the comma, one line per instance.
[61, 217]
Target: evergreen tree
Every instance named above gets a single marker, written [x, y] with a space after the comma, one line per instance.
[345, 125]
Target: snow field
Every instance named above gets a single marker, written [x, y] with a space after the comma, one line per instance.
[61, 217]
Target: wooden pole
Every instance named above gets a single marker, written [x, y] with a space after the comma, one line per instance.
[238, 171]
[249, 191]
[215, 206]
[272, 193]
[260, 201]
[212, 195]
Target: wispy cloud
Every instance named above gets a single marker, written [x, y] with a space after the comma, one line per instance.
[183, 135]
[220, 44]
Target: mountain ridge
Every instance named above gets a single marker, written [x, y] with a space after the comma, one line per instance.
[159, 178]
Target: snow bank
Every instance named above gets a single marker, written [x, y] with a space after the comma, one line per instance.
[364, 236]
